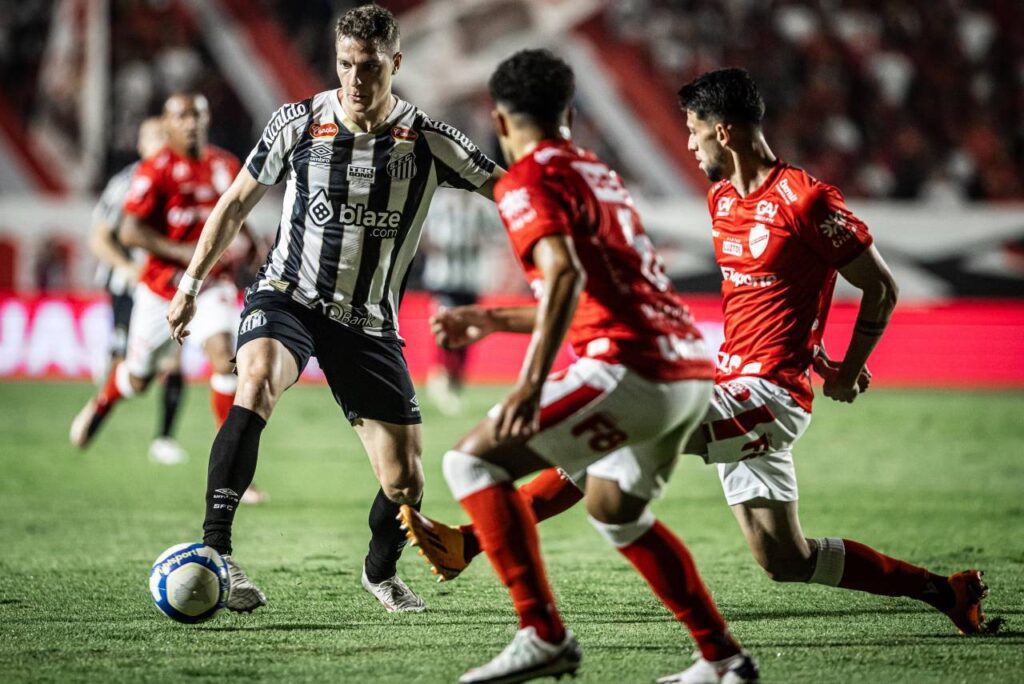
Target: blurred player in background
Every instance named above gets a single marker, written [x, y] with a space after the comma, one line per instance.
[119, 272]
[362, 166]
[780, 238]
[167, 203]
[458, 227]
[620, 413]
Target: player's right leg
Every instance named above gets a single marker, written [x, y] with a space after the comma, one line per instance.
[274, 346]
[165, 448]
[148, 338]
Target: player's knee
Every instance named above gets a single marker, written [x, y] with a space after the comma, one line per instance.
[467, 474]
[620, 532]
[408, 491]
[780, 568]
[256, 390]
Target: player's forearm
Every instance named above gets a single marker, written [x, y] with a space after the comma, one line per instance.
[513, 319]
[553, 316]
[876, 306]
[103, 247]
[134, 233]
[221, 228]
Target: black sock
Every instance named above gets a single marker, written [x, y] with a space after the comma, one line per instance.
[386, 538]
[174, 385]
[232, 466]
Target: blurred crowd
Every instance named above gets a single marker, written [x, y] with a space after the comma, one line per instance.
[904, 99]
[909, 99]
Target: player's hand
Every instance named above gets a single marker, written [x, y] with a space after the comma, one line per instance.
[839, 390]
[460, 326]
[828, 369]
[179, 315]
[519, 414]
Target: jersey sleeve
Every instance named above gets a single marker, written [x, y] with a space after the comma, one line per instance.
[459, 162]
[268, 162]
[828, 226]
[145, 192]
[530, 212]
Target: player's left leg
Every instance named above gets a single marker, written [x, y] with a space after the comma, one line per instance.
[394, 451]
[164, 448]
[370, 381]
[663, 560]
[772, 530]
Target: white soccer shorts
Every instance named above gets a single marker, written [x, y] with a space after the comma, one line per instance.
[607, 421]
[149, 335]
[750, 427]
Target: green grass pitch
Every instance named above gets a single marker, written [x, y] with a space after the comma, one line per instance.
[933, 477]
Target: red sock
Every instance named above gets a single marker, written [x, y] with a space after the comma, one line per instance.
[865, 569]
[110, 394]
[666, 564]
[547, 495]
[221, 403]
[508, 533]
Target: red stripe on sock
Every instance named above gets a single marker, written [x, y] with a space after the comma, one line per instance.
[110, 394]
[666, 564]
[508, 534]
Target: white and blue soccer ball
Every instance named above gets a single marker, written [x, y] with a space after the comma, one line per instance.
[189, 582]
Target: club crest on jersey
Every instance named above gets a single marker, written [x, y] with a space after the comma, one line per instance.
[323, 130]
[255, 319]
[321, 210]
[402, 166]
[757, 241]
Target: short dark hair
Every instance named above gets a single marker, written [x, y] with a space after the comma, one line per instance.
[728, 95]
[535, 83]
[371, 24]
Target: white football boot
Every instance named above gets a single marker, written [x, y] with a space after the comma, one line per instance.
[394, 594]
[738, 669]
[245, 596]
[528, 657]
[167, 451]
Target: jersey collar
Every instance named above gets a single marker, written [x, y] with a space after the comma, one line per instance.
[767, 184]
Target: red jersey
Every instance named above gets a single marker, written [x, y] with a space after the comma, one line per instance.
[779, 248]
[174, 194]
[628, 312]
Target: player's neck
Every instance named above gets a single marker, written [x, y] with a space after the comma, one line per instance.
[371, 118]
[525, 140]
[185, 151]
[752, 166]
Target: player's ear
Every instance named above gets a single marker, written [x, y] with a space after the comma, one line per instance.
[500, 123]
[397, 59]
[723, 134]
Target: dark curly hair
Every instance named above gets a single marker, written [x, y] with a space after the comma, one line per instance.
[727, 95]
[535, 83]
[371, 24]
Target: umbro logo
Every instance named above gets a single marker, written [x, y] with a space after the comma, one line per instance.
[415, 403]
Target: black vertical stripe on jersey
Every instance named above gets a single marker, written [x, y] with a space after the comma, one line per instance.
[417, 187]
[297, 234]
[334, 231]
[380, 191]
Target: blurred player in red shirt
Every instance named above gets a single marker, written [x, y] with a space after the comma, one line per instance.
[167, 203]
[619, 415]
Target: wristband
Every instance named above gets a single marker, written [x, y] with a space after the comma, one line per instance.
[190, 285]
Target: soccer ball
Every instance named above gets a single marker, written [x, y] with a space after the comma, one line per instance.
[189, 582]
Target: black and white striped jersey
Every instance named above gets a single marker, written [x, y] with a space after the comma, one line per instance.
[110, 210]
[459, 226]
[355, 203]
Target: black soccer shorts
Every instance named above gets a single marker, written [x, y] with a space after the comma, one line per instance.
[367, 375]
